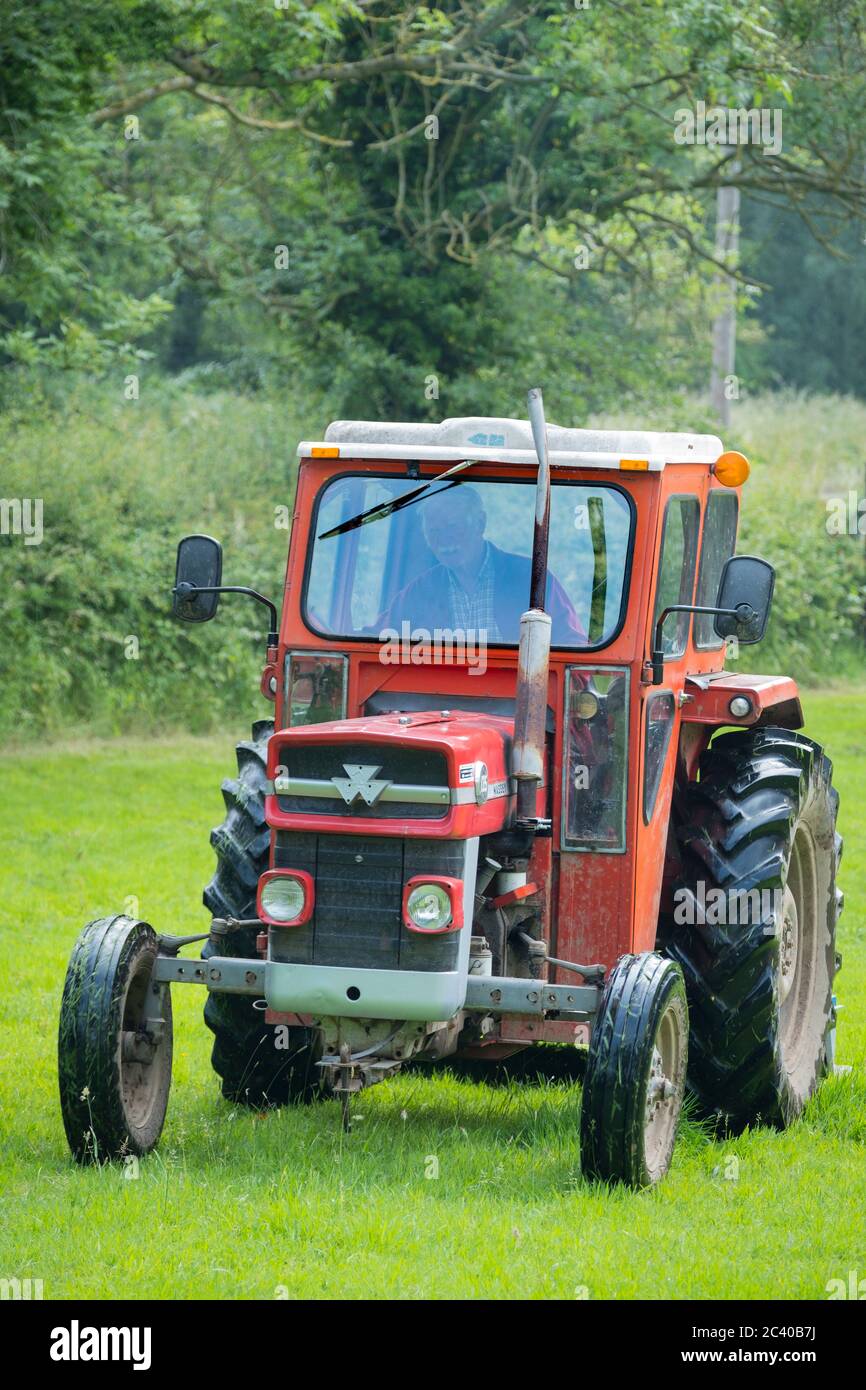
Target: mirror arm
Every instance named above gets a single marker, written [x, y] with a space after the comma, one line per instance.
[187, 590]
[658, 656]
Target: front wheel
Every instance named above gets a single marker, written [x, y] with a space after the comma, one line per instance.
[636, 1073]
[114, 1043]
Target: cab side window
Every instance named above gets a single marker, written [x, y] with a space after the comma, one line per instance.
[676, 579]
[720, 535]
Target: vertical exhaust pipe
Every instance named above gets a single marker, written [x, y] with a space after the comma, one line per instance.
[533, 659]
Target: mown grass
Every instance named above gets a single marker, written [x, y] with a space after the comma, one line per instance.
[235, 1204]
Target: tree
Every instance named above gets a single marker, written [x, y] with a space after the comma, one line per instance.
[467, 123]
[58, 220]
[814, 305]
[404, 154]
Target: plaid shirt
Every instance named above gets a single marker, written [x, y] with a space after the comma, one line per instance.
[474, 612]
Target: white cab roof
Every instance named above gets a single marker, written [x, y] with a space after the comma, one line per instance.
[510, 441]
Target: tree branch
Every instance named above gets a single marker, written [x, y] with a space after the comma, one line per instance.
[257, 123]
[126, 105]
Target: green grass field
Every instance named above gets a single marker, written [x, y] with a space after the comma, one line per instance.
[240, 1205]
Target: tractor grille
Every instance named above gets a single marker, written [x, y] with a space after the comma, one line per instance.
[358, 917]
[417, 781]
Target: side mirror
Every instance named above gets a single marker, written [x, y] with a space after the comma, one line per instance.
[746, 587]
[199, 568]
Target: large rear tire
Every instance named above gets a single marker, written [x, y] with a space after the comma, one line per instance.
[760, 825]
[246, 1055]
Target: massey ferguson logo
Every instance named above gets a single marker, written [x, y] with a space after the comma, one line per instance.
[362, 782]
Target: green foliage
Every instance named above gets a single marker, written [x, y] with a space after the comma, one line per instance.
[59, 222]
[85, 615]
[817, 630]
[805, 451]
[465, 341]
[412, 250]
[814, 307]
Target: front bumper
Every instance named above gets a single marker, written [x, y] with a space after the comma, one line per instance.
[387, 990]
[330, 991]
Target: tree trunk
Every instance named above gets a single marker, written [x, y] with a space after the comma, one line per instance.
[722, 387]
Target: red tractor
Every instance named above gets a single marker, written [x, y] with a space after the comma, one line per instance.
[471, 828]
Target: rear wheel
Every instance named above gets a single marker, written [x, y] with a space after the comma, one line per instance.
[636, 1071]
[760, 826]
[255, 1070]
[114, 1043]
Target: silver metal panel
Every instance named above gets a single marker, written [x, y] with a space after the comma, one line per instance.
[222, 974]
[397, 791]
[502, 994]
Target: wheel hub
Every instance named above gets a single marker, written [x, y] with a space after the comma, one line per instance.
[141, 1048]
[803, 977]
[664, 1092]
[661, 1090]
[789, 945]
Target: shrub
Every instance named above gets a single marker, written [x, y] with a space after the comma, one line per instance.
[87, 632]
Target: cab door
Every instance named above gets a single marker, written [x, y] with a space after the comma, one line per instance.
[659, 706]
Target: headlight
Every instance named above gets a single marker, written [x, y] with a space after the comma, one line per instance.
[429, 907]
[286, 899]
[585, 704]
[433, 905]
[315, 688]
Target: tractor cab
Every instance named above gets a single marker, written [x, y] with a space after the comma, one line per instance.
[409, 572]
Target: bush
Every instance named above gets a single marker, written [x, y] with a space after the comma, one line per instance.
[805, 451]
[87, 632]
[816, 630]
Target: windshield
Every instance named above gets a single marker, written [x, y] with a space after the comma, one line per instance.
[458, 557]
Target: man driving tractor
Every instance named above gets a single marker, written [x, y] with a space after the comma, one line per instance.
[474, 586]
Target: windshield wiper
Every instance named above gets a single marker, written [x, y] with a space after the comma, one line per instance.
[386, 508]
